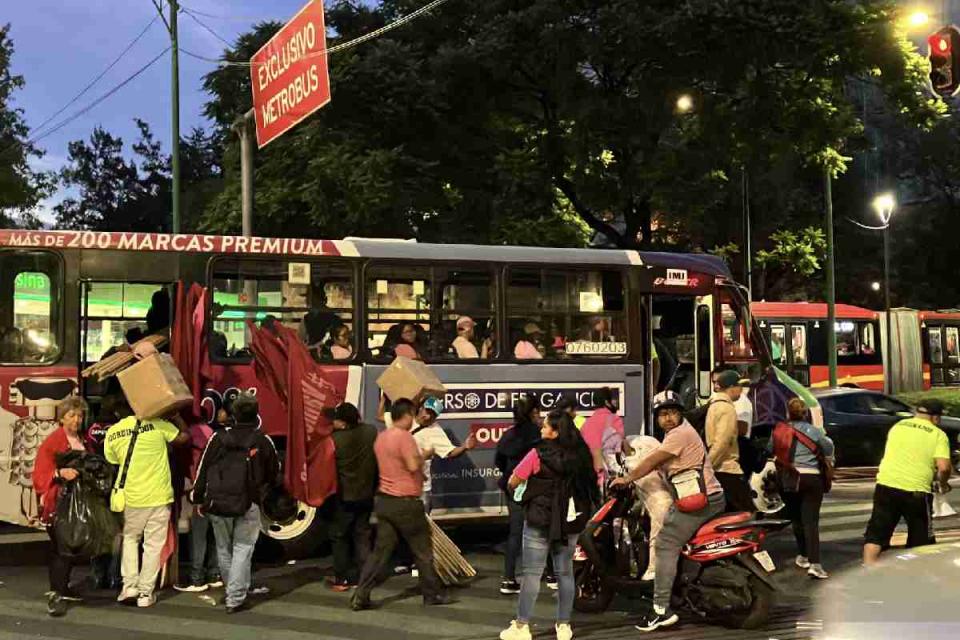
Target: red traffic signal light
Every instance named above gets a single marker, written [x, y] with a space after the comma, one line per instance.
[943, 51]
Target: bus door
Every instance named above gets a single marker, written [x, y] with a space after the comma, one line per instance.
[704, 347]
[788, 346]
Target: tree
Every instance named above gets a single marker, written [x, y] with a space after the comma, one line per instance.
[21, 188]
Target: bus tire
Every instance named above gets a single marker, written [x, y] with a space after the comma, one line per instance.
[301, 537]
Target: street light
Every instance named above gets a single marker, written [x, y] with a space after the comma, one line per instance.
[918, 18]
[884, 205]
[875, 286]
[684, 103]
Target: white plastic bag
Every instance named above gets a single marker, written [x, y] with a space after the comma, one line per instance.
[942, 507]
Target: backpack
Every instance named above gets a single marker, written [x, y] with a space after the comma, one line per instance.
[785, 439]
[229, 481]
[697, 417]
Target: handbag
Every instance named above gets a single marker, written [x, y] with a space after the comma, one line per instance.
[689, 489]
[118, 501]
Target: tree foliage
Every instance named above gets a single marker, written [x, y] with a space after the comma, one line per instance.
[21, 188]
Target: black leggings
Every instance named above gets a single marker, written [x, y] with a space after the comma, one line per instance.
[803, 508]
[60, 566]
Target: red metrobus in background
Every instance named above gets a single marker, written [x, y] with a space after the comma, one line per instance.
[797, 335]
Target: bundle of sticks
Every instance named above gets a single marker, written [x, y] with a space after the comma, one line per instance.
[113, 364]
[449, 563]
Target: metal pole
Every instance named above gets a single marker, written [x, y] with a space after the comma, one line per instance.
[747, 235]
[889, 387]
[243, 129]
[831, 285]
[175, 116]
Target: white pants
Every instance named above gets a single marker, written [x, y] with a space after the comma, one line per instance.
[150, 525]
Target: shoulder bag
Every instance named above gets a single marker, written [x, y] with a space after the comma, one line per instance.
[118, 501]
[689, 489]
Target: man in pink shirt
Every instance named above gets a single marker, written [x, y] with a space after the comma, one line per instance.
[399, 510]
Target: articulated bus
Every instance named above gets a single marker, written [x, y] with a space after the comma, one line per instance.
[925, 351]
[602, 318]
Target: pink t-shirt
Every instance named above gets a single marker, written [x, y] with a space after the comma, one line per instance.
[685, 444]
[529, 466]
[593, 428]
[526, 350]
[405, 350]
[391, 448]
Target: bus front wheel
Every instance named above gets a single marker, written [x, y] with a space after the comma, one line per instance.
[301, 536]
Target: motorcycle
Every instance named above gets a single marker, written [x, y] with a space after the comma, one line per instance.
[723, 575]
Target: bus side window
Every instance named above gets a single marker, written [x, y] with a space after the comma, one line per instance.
[566, 314]
[30, 294]
[466, 326]
[315, 299]
[398, 299]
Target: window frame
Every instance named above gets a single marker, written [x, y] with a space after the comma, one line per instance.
[494, 268]
[210, 270]
[635, 353]
[57, 307]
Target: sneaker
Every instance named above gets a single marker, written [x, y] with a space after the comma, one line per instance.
[509, 587]
[802, 562]
[70, 595]
[144, 601]
[552, 582]
[649, 575]
[516, 632]
[359, 602]
[564, 631]
[56, 606]
[128, 594]
[440, 600]
[191, 588]
[341, 586]
[259, 590]
[655, 620]
[215, 583]
[401, 569]
[816, 571]
[237, 608]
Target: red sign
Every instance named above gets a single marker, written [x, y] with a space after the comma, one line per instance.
[186, 242]
[488, 435]
[289, 74]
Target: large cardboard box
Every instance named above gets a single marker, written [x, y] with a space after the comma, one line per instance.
[406, 378]
[154, 387]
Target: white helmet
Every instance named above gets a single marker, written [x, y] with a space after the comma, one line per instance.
[765, 489]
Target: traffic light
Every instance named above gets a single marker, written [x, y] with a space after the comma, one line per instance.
[944, 54]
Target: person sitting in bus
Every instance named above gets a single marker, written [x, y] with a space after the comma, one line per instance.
[341, 342]
[408, 346]
[318, 322]
[463, 343]
[158, 315]
[530, 345]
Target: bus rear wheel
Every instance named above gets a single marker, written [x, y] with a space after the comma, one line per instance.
[301, 537]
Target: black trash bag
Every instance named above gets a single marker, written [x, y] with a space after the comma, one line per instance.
[84, 524]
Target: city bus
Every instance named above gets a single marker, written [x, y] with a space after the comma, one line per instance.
[599, 318]
[796, 333]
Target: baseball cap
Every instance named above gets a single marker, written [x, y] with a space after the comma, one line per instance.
[727, 379]
[434, 404]
[931, 407]
[666, 400]
[345, 412]
[465, 321]
[532, 328]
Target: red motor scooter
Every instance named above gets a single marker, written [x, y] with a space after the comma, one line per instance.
[723, 575]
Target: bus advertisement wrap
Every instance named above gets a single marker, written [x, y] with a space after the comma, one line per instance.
[496, 400]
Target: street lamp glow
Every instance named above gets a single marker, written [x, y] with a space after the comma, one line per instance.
[684, 103]
[918, 18]
[884, 204]
[875, 286]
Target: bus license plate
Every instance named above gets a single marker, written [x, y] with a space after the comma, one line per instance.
[765, 561]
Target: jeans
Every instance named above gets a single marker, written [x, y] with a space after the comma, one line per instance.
[350, 536]
[204, 566]
[678, 528]
[803, 506]
[400, 519]
[514, 540]
[60, 566]
[536, 548]
[149, 524]
[236, 538]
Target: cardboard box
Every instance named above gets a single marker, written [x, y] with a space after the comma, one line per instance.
[154, 387]
[406, 378]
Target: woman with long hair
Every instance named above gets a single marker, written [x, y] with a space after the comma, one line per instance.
[513, 446]
[558, 499]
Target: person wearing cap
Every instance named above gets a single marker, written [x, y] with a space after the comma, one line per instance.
[529, 345]
[721, 434]
[917, 454]
[682, 450]
[434, 442]
[463, 343]
[350, 531]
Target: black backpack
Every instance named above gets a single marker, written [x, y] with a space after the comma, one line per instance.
[229, 481]
[697, 417]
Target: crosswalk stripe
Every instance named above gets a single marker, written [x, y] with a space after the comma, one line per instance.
[845, 507]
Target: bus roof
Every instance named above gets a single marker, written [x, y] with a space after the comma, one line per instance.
[354, 247]
[809, 310]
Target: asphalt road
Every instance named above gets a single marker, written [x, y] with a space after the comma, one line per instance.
[299, 606]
